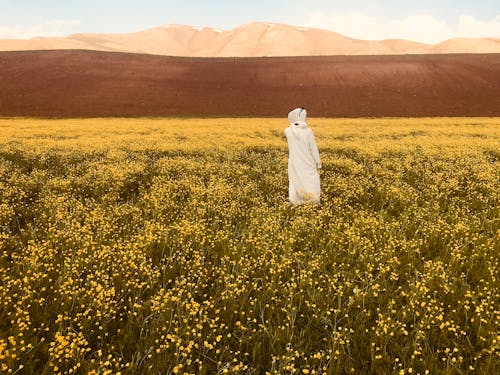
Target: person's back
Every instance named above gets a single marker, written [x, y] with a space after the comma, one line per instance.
[303, 159]
[299, 144]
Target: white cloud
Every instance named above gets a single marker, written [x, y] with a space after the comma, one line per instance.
[473, 28]
[421, 28]
[50, 28]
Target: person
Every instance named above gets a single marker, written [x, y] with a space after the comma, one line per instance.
[303, 160]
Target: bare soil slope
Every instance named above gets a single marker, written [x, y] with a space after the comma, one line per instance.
[93, 84]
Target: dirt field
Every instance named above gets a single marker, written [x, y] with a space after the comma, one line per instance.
[95, 84]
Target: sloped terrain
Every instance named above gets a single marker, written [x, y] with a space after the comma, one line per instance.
[91, 84]
[256, 39]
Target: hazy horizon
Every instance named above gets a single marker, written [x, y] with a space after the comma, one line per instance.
[425, 21]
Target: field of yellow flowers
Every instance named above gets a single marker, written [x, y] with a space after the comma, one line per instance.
[160, 246]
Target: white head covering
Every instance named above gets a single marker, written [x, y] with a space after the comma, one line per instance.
[298, 117]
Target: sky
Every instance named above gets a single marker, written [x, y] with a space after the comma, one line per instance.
[429, 21]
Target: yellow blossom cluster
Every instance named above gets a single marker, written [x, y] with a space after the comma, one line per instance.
[168, 246]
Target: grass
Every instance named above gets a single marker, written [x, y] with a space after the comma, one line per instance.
[158, 246]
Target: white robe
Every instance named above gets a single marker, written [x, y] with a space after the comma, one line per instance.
[303, 160]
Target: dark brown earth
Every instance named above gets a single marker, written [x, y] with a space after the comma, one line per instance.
[95, 84]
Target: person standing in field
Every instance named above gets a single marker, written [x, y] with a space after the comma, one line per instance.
[303, 160]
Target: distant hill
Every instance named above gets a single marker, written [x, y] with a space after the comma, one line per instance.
[252, 40]
[93, 84]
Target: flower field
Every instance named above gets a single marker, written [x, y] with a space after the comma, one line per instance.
[167, 246]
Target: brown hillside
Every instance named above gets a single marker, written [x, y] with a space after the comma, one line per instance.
[91, 84]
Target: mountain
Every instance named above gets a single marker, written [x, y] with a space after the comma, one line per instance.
[94, 84]
[251, 40]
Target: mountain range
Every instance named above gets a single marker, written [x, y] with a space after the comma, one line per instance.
[256, 39]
